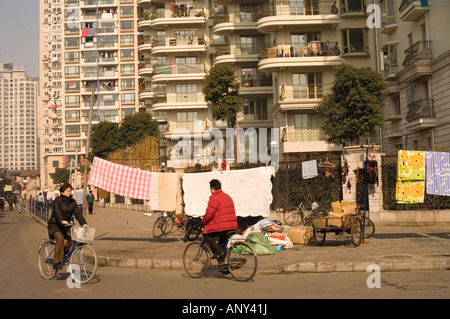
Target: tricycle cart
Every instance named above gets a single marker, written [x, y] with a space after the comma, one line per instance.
[351, 224]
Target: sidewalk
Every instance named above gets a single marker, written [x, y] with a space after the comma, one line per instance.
[124, 239]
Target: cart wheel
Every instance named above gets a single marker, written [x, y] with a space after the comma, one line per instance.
[356, 231]
[319, 235]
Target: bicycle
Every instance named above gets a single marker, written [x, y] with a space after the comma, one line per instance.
[301, 216]
[194, 228]
[240, 259]
[80, 254]
[164, 223]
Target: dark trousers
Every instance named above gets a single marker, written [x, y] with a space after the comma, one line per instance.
[90, 207]
[218, 248]
[61, 248]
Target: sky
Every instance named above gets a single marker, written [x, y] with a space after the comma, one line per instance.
[19, 38]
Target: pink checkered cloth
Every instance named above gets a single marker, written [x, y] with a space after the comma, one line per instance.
[124, 180]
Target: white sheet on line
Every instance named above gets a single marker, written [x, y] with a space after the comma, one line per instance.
[250, 189]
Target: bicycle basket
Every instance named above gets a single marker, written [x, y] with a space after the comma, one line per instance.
[83, 235]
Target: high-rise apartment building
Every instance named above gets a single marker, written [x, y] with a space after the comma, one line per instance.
[86, 45]
[416, 68]
[18, 106]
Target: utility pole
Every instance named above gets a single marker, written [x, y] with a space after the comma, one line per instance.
[86, 162]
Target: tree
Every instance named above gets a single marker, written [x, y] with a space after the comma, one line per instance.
[352, 109]
[105, 139]
[221, 91]
[60, 176]
[135, 127]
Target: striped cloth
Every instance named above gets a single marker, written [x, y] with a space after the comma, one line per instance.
[123, 180]
[438, 173]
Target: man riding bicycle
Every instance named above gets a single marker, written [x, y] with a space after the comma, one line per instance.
[219, 219]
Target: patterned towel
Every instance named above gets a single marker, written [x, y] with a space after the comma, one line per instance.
[122, 180]
[410, 186]
[438, 173]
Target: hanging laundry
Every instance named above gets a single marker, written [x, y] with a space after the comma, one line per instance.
[309, 169]
[438, 173]
[410, 186]
[121, 180]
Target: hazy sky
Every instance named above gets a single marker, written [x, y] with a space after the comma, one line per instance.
[19, 36]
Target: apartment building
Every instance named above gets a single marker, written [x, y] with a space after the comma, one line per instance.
[18, 106]
[416, 68]
[86, 46]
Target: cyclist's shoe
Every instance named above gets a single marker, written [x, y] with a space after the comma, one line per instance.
[57, 266]
[224, 269]
[217, 255]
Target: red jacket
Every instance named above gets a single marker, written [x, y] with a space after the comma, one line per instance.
[220, 214]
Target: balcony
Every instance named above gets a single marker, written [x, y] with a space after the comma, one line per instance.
[179, 43]
[315, 53]
[173, 16]
[420, 115]
[416, 63]
[302, 97]
[411, 10]
[235, 20]
[239, 53]
[290, 13]
[179, 72]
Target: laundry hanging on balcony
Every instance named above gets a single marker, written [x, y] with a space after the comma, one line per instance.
[438, 173]
[410, 188]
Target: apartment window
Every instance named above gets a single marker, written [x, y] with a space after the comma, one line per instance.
[186, 120]
[255, 109]
[247, 12]
[72, 71]
[397, 107]
[72, 86]
[411, 94]
[127, 69]
[127, 39]
[251, 44]
[127, 54]
[127, 98]
[73, 145]
[72, 42]
[72, 130]
[127, 25]
[126, 11]
[72, 100]
[54, 163]
[307, 85]
[391, 65]
[160, 37]
[127, 83]
[307, 128]
[423, 29]
[72, 115]
[355, 41]
[127, 112]
[186, 93]
[72, 56]
[388, 12]
[72, 27]
[349, 6]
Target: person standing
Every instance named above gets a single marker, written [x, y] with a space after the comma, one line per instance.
[90, 201]
[64, 208]
[219, 219]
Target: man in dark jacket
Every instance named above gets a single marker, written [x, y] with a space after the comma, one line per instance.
[220, 218]
[64, 206]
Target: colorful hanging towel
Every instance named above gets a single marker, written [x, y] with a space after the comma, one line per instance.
[438, 173]
[122, 180]
[410, 177]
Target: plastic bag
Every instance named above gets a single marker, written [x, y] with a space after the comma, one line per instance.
[260, 243]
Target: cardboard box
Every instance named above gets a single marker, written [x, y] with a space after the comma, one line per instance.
[321, 222]
[336, 207]
[301, 235]
[335, 219]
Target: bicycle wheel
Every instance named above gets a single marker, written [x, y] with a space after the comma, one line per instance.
[319, 235]
[356, 231]
[193, 229]
[159, 226]
[46, 253]
[85, 260]
[293, 217]
[242, 261]
[196, 259]
[170, 222]
[369, 228]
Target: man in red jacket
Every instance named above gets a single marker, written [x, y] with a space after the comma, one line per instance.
[220, 218]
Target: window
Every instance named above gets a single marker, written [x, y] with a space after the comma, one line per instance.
[391, 58]
[186, 120]
[186, 93]
[127, 112]
[72, 56]
[251, 44]
[126, 25]
[255, 109]
[71, 43]
[411, 94]
[127, 83]
[73, 115]
[54, 163]
[72, 145]
[72, 71]
[126, 11]
[388, 12]
[349, 6]
[127, 98]
[127, 39]
[127, 54]
[72, 130]
[72, 86]
[307, 128]
[127, 69]
[397, 107]
[307, 85]
[72, 100]
[355, 41]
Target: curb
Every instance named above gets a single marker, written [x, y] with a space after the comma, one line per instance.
[304, 267]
